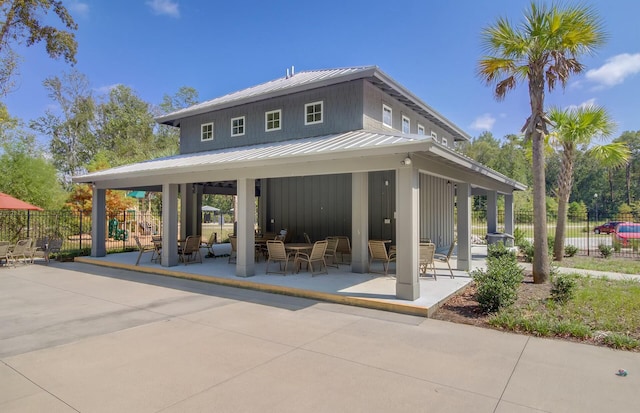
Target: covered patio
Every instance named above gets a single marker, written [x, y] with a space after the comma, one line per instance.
[340, 285]
[430, 190]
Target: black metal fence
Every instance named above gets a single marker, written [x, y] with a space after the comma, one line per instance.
[579, 232]
[75, 228]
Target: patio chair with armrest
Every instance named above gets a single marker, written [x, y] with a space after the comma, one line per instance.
[446, 257]
[316, 256]
[378, 252]
[343, 248]
[143, 248]
[190, 250]
[278, 254]
[213, 239]
[331, 255]
[43, 247]
[426, 262]
[5, 254]
[233, 255]
[22, 250]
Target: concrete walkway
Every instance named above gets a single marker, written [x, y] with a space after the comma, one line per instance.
[76, 337]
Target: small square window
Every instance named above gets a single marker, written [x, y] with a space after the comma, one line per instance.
[444, 141]
[420, 129]
[387, 116]
[237, 126]
[406, 124]
[313, 113]
[272, 120]
[434, 136]
[206, 132]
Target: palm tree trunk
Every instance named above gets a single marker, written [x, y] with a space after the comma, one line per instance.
[535, 131]
[565, 181]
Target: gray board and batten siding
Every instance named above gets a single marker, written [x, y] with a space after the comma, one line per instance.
[342, 112]
[349, 106]
[374, 98]
[321, 206]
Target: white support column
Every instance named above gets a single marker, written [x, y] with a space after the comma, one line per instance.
[463, 202]
[99, 219]
[246, 213]
[169, 254]
[360, 222]
[407, 233]
[492, 211]
[184, 189]
[508, 214]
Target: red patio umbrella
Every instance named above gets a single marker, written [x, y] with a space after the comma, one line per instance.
[9, 202]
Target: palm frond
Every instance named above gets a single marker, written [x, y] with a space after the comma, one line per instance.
[612, 155]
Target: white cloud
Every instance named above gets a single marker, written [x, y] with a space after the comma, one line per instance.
[483, 122]
[104, 90]
[81, 9]
[615, 70]
[585, 104]
[166, 7]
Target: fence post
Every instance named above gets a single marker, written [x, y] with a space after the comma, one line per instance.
[28, 223]
[588, 231]
[81, 213]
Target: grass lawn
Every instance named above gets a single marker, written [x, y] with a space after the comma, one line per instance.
[621, 265]
[601, 311]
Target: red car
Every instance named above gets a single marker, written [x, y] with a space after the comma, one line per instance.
[606, 228]
[626, 231]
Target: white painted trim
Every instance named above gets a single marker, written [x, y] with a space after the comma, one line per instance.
[390, 109]
[434, 136]
[421, 128]
[244, 126]
[406, 118]
[202, 126]
[266, 121]
[444, 141]
[321, 103]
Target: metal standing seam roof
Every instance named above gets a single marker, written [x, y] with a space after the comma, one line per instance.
[314, 79]
[342, 145]
[338, 143]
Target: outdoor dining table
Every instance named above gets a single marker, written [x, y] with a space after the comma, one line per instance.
[298, 247]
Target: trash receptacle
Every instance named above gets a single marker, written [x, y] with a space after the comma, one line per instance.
[495, 237]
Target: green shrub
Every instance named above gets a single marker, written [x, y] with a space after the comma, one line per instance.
[563, 288]
[605, 250]
[497, 286]
[570, 250]
[518, 237]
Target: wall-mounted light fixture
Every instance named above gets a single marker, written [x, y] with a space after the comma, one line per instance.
[406, 161]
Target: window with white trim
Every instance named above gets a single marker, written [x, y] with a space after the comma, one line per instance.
[420, 129]
[387, 116]
[406, 124]
[313, 113]
[206, 132]
[237, 126]
[444, 141]
[434, 136]
[272, 120]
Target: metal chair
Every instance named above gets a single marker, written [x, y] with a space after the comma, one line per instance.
[316, 256]
[278, 253]
[378, 252]
[190, 251]
[427, 252]
[447, 257]
[143, 248]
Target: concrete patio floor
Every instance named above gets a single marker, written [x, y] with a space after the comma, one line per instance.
[338, 286]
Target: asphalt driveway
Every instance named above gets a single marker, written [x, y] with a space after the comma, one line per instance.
[75, 337]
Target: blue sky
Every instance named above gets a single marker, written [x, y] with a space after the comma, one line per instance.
[430, 47]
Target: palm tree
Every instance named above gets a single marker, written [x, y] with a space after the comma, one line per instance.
[541, 50]
[574, 129]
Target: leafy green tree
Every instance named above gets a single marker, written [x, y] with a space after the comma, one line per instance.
[23, 23]
[632, 167]
[71, 127]
[125, 127]
[168, 137]
[26, 173]
[541, 50]
[574, 129]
